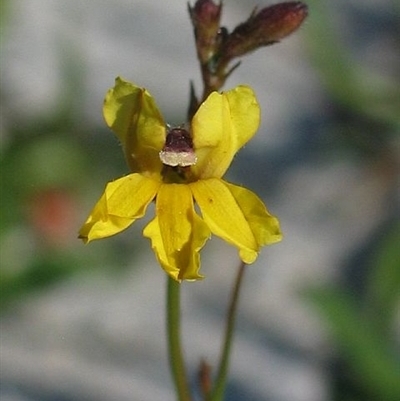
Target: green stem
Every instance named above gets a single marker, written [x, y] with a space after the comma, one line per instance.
[174, 341]
[222, 373]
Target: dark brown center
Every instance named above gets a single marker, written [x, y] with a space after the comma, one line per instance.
[178, 149]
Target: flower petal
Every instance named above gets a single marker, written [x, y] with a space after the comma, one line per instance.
[177, 233]
[237, 221]
[131, 112]
[220, 127]
[264, 226]
[123, 201]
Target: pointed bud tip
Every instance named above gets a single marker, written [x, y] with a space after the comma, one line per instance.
[205, 11]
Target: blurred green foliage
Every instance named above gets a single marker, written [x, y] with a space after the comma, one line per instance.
[354, 86]
[53, 168]
[364, 329]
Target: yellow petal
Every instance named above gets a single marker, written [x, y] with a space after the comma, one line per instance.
[264, 226]
[220, 127]
[123, 201]
[131, 112]
[236, 221]
[177, 234]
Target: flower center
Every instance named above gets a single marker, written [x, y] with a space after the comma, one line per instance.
[177, 156]
[178, 149]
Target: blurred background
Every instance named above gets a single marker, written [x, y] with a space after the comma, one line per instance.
[319, 316]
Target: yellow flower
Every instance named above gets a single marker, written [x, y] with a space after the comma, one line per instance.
[178, 168]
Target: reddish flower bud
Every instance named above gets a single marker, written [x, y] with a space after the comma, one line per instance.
[205, 16]
[264, 28]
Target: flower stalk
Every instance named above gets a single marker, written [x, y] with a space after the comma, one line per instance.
[175, 352]
[219, 387]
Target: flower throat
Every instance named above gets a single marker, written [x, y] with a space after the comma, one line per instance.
[177, 156]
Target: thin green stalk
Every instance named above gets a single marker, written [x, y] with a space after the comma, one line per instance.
[222, 373]
[178, 370]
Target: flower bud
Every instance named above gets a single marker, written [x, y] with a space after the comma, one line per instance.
[205, 16]
[264, 28]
